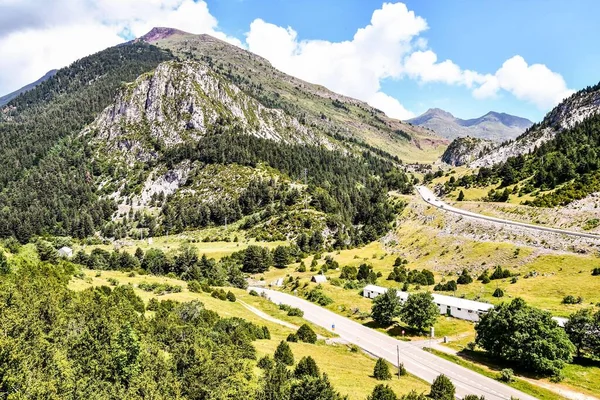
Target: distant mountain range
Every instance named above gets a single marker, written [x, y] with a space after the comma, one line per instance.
[5, 99]
[495, 126]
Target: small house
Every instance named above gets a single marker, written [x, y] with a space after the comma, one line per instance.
[318, 279]
[65, 252]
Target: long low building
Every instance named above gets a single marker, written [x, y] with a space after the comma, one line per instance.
[469, 310]
[452, 306]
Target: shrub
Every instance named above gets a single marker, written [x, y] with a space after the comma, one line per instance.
[514, 280]
[295, 312]
[159, 288]
[464, 278]
[473, 397]
[113, 281]
[306, 334]
[292, 338]
[317, 296]
[569, 299]
[306, 367]
[283, 354]
[265, 363]
[498, 293]
[442, 389]
[381, 371]
[194, 286]
[402, 370]
[231, 296]
[596, 272]
[506, 375]
[500, 273]
[253, 292]
[446, 287]
[152, 304]
[382, 392]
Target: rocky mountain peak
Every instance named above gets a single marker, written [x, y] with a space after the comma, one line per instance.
[159, 33]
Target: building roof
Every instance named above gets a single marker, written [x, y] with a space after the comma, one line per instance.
[319, 278]
[441, 299]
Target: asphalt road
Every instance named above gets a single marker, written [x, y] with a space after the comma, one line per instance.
[416, 361]
[430, 198]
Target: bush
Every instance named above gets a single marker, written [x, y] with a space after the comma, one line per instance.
[292, 338]
[596, 272]
[306, 334]
[506, 375]
[159, 288]
[401, 370]
[500, 273]
[231, 296]
[382, 392]
[464, 278]
[295, 312]
[498, 293]
[265, 363]
[306, 367]
[194, 287]
[446, 287]
[152, 304]
[442, 389]
[283, 354]
[253, 293]
[113, 282]
[569, 299]
[381, 371]
[317, 296]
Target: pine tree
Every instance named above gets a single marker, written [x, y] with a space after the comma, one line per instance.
[306, 334]
[283, 354]
[461, 196]
[382, 392]
[442, 389]
[382, 371]
[306, 367]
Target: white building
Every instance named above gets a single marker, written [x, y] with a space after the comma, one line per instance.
[318, 279]
[66, 252]
[452, 306]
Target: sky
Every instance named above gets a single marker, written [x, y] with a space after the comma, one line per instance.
[467, 57]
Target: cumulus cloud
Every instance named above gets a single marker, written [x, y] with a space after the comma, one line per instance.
[391, 47]
[355, 67]
[35, 38]
[534, 83]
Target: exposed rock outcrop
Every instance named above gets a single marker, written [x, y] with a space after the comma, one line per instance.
[464, 150]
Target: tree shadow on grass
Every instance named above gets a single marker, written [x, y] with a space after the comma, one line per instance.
[494, 364]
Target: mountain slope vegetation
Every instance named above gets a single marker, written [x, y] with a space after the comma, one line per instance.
[565, 164]
[119, 143]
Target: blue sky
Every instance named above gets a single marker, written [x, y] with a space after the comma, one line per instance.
[465, 56]
[478, 35]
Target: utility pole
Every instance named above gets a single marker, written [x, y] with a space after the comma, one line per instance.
[398, 358]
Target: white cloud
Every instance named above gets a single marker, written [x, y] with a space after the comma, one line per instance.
[391, 47]
[355, 67]
[35, 38]
[534, 83]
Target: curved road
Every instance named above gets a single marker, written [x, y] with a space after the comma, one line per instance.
[430, 198]
[416, 360]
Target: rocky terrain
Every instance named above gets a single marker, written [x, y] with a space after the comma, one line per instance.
[180, 102]
[498, 127]
[567, 114]
[326, 112]
[466, 149]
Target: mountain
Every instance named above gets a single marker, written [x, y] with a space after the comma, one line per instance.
[7, 98]
[566, 115]
[557, 157]
[322, 110]
[463, 150]
[142, 140]
[494, 126]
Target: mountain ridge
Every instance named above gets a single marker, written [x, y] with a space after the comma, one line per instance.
[8, 97]
[493, 125]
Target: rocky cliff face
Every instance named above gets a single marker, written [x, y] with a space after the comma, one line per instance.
[180, 102]
[464, 150]
[567, 114]
[494, 126]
